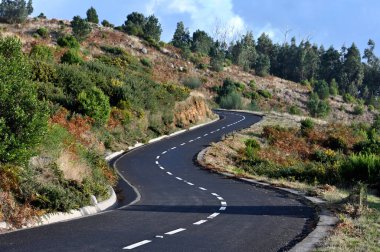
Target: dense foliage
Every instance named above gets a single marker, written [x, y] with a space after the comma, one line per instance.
[15, 11]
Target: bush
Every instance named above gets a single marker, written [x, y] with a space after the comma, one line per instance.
[106, 23]
[336, 143]
[146, 62]
[192, 82]
[358, 110]
[251, 149]
[23, 117]
[43, 32]
[348, 98]
[362, 167]
[265, 93]
[307, 125]
[43, 72]
[318, 108]
[71, 57]
[68, 41]
[322, 89]
[231, 101]
[42, 53]
[295, 110]
[95, 104]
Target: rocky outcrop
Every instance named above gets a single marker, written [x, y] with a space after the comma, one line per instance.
[193, 110]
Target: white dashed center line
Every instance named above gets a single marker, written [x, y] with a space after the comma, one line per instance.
[175, 231]
[212, 216]
[203, 189]
[200, 222]
[169, 173]
[223, 203]
[138, 244]
[182, 144]
[220, 198]
[179, 178]
[163, 153]
[216, 195]
[222, 209]
[190, 183]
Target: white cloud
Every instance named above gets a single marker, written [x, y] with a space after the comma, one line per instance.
[207, 15]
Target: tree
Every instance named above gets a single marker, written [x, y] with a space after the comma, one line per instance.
[201, 42]
[181, 38]
[134, 25]
[317, 107]
[92, 16]
[23, 117]
[152, 28]
[353, 72]
[262, 65]
[330, 65]
[81, 28]
[322, 89]
[217, 57]
[15, 11]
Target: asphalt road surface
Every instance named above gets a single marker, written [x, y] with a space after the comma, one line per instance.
[180, 206]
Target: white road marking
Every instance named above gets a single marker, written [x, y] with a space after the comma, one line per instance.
[223, 127]
[191, 141]
[163, 153]
[174, 148]
[169, 173]
[182, 144]
[218, 130]
[190, 183]
[203, 189]
[158, 157]
[138, 244]
[160, 236]
[179, 178]
[212, 216]
[212, 132]
[175, 231]
[162, 168]
[205, 135]
[157, 162]
[200, 222]
[223, 203]
[199, 137]
[216, 195]
[223, 208]
[220, 198]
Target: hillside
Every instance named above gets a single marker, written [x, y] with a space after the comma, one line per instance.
[112, 90]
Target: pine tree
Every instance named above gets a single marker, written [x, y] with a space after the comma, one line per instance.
[92, 16]
[152, 28]
[81, 27]
[15, 11]
[181, 38]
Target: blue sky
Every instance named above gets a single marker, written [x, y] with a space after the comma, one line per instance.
[327, 22]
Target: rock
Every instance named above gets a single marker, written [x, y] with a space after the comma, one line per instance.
[144, 50]
[172, 66]
[165, 51]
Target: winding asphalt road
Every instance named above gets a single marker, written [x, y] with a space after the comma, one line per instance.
[180, 206]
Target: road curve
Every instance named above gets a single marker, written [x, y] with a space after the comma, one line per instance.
[180, 206]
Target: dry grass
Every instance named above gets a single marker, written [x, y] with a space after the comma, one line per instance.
[72, 166]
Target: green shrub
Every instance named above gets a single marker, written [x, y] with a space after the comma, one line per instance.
[192, 82]
[265, 93]
[231, 101]
[146, 62]
[358, 110]
[41, 52]
[72, 56]
[43, 32]
[336, 143]
[322, 89]
[106, 23]
[295, 110]
[307, 124]
[317, 107]
[361, 167]
[23, 117]
[68, 41]
[251, 149]
[334, 88]
[348, 98]
[95, 104]
[43, 72]
[112, 50]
